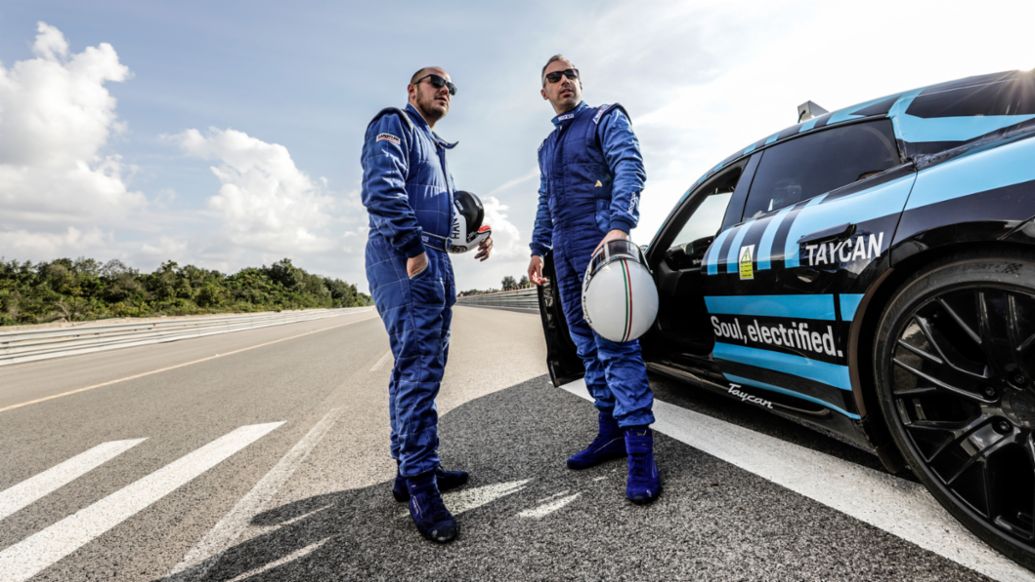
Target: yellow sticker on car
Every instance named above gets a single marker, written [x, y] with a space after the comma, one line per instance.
[747, 259]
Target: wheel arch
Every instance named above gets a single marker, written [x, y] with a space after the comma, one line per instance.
[862, 336]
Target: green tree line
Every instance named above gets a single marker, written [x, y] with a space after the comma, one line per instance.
[85, 289]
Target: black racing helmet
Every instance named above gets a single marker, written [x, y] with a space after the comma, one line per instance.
[467, 231]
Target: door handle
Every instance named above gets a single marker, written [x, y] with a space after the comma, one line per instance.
[835, 233]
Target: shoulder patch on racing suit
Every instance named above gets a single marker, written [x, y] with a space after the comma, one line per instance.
[607, 108]
[392, 111]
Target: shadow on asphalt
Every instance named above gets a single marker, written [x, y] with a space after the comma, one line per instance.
[714, 521]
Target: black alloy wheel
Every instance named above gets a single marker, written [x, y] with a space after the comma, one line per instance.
[955, 370]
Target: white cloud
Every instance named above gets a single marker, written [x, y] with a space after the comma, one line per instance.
[33, 245]
[164, 249]
[506, 238]
[56, 116]
[264, 202]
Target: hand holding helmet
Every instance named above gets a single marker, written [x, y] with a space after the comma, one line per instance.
[468, 231]
[619, 298]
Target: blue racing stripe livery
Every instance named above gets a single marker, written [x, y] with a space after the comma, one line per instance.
[711, 258]
[733, 255]
[918, 130]
[849, 305]
[819, 307]
[765, 247]
[824, 372]
[1012, 163]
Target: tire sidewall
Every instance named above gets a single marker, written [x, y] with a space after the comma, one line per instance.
[999, 270]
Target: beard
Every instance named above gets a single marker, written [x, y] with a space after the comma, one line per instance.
[431, 109]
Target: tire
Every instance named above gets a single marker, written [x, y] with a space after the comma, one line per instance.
[954, 364]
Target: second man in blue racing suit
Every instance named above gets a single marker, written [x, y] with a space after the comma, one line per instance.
[591, 178]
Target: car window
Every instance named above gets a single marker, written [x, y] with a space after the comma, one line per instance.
[706, 219]
[818, 163]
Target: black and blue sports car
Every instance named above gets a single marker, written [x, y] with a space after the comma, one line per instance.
[871, 274]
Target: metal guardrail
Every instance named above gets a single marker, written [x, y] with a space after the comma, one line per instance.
[27, 345]
[520, 300]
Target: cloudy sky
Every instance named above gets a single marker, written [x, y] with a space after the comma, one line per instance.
[228, 134]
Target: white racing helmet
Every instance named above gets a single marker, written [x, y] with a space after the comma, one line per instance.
[467, 231]
[619, 299]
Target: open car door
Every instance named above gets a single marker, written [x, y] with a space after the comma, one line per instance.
[561, 358]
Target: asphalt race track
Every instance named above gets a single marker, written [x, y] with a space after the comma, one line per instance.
[262, 455]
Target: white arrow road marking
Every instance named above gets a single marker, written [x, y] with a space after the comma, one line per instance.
[42, 549]
[295, 555]
[468, 499]
[548, 507]
[45, 483]
[254, 502]
[895, 505]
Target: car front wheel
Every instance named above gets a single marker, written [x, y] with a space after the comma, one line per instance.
[955, 370]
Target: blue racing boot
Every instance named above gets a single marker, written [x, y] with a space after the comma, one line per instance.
[446, 480]
[608, 445]
[644, 483]
[429, 514]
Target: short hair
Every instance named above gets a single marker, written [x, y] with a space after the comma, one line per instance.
[420, 73]
[555, 58]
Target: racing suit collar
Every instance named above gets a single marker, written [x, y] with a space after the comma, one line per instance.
[569, 115]
[419, 120]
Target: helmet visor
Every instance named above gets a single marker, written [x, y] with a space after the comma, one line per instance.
[613, 251]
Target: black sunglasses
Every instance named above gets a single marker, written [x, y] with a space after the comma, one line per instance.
[438, 82]
[556, 75]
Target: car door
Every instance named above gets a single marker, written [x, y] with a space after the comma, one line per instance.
[681, 336]
[782, 286]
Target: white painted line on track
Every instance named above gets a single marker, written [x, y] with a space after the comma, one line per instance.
[381, 362]
[21, 495]
[548, 508]
[173, 367]
[552, 497]
[230, 527]
[30, 556]
[295, 555]
[900, 507]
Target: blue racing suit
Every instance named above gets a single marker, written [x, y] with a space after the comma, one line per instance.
[591, 176]
[408, 193]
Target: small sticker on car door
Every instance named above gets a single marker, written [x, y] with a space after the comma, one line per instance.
[747, 258]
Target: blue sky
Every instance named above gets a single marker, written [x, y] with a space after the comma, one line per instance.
[227, 134]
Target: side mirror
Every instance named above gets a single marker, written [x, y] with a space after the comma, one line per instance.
[676, 257]
[688, 255]
[695, 249]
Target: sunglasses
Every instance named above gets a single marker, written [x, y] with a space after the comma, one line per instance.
[556, 75]
[437, 82]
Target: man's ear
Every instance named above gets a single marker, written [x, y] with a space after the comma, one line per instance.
[543, 93]
[411, 92]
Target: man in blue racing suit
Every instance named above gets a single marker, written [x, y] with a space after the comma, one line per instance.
[408, 192]
[591, 176]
